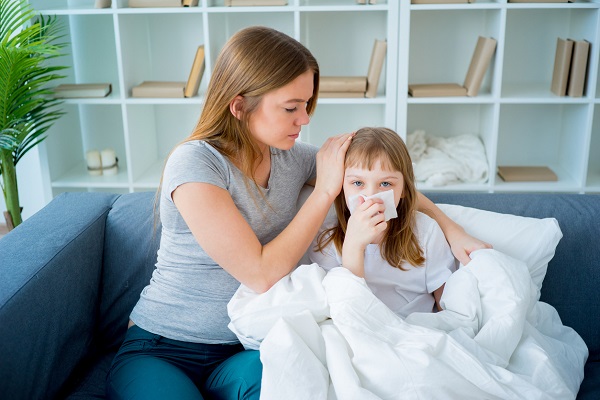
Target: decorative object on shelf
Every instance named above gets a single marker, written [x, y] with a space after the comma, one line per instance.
[27, 107]
[526, 174]
[356, 86]
[162, 89]
[103, 162]
[102, 4]
[78, 90]
[246, 3]
[440, 161]
[480, 61]
[190, 3]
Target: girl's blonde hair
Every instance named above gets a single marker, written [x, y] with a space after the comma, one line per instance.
[253, 62]
[400, 243]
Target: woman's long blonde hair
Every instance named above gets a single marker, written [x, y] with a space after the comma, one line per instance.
[400, 243]
[253, 62]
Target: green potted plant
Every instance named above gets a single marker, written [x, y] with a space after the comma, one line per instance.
[27, 108]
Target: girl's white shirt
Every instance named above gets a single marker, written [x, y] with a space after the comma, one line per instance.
[404, 292]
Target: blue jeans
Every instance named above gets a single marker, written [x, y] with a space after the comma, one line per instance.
[149, 366]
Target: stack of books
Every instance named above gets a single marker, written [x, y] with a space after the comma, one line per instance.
[102, 3]
[356, 86]
[480, 61]
[570, 67]
[440, 1]
[247, 3]
[162, 3]
[526, 174]
[161, 89]
[82, 90]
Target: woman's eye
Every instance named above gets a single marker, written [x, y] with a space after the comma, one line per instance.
[291, 110]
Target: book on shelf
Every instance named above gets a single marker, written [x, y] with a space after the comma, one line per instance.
[375, 67]
[441, 1]
[82, 90]
[343, 84]
[102, 3]
[193, 82]
[159, 89]
[482, 57]
[155, 3]
[539, 1]
[190, 3]
[480, 62]
[578, 70]
[436, 90]
[175, 89]
[526, 174]
[562, 65]
[247, 3]
[327, 95]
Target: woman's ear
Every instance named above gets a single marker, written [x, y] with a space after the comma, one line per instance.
[236, 106]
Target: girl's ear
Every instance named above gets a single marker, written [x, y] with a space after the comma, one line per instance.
[236, 106]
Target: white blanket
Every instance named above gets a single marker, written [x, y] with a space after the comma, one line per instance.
[440, 161]
[326, 336]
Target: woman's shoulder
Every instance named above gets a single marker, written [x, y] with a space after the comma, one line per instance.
[196, 150]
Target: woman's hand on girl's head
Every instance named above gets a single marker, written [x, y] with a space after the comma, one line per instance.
[330, 164]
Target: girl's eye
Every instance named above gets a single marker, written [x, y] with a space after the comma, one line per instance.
[357, 183]
[386, 184]
[291, 110]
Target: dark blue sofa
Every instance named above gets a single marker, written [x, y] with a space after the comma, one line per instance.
[70, 275]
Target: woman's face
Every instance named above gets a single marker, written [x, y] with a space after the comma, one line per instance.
[281, 113]
[369, 182]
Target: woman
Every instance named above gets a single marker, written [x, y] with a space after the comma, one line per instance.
[228, 213]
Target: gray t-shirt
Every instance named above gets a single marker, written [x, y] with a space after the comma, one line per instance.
[188, 293]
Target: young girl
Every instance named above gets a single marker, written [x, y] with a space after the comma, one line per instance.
[404, 260]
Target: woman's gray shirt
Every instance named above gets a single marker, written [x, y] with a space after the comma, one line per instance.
[188, 293]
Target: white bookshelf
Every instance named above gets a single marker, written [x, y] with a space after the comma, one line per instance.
[517, 117]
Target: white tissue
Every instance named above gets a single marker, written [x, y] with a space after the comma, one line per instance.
[388, 202]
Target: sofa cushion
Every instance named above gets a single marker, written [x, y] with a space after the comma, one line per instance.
[132, 238]
[49, 286]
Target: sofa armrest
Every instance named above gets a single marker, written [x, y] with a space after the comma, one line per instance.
[50, 271]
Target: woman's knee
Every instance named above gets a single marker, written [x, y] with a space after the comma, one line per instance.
[146, 377]
[238, 377]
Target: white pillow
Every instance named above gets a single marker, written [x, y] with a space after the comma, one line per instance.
[531, 240]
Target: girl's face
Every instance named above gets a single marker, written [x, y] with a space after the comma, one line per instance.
[370, 182]
[281, 113]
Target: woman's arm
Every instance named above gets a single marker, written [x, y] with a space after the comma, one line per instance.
[461, 243]
[222, 231]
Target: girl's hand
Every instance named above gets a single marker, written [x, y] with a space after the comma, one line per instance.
[330, 164]
[366, 224]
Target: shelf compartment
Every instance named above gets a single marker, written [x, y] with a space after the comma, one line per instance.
[452, 120]
[530, 47]
[347, 50]
[159, 47]
[82, 128]
[553, 135]
[154, 130]
[222, 25]
[436, 42]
